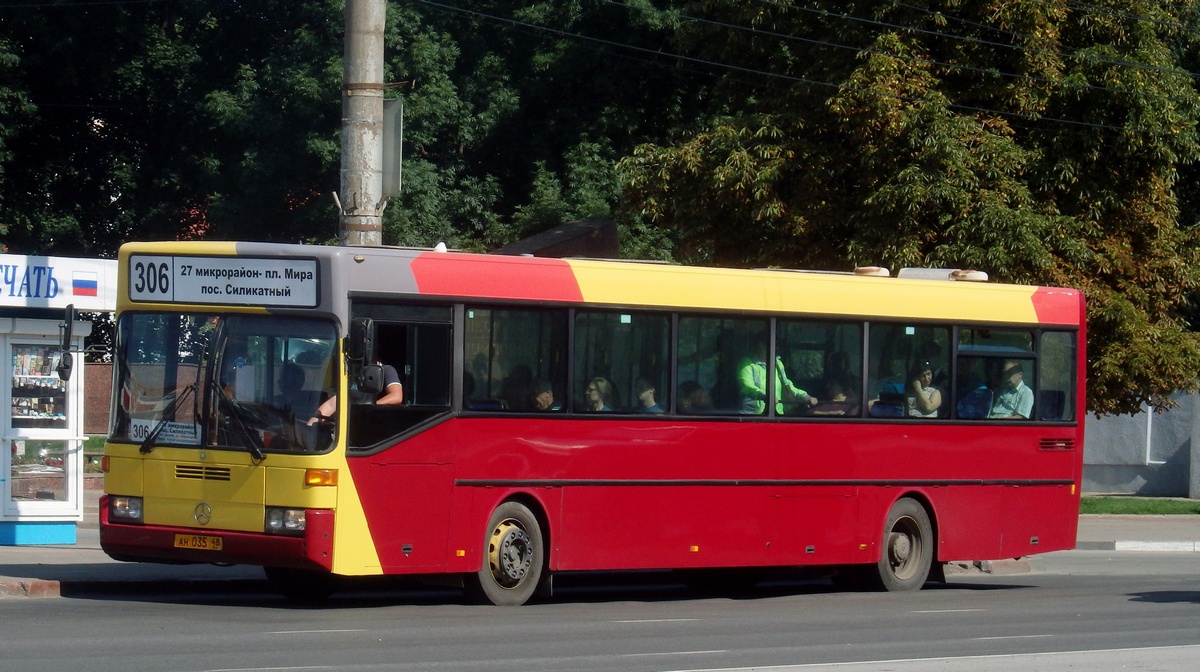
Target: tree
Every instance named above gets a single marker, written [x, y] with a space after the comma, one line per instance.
[1040, 141]
[517, 113]
[220, 120]
[170, 120]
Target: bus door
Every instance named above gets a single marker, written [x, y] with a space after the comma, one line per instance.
[400, 454]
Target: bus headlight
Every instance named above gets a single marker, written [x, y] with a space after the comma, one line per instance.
[280, 520]
[124, 509]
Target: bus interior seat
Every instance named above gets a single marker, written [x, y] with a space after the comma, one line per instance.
[889, 405]
[1051, 404]
[487, 405]
[975, 405]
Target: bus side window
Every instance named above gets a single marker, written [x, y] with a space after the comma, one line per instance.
[1056, 376]
[709, 352]
[509, 353]
[630, 351]
[905, 361]
[824, 359]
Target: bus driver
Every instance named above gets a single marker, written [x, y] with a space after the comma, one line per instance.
[392, 393]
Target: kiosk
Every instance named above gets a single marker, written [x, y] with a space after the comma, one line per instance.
[42, 463]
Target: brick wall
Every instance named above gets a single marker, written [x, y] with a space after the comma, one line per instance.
[97, 383]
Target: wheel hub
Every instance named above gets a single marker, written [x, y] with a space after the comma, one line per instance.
[511, 555]
[900, 547]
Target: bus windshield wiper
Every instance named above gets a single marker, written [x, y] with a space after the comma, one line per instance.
[253, 443]
[168, 415]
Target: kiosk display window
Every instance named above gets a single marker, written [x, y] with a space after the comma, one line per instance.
[39, 408]
[39, 397]
[39, 470]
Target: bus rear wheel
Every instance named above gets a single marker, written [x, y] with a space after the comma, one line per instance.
[514, 557]
[907, 552]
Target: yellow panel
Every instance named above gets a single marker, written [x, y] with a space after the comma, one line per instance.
[814, 293]
[354, 550]
[285, 487]
[124, 476]
[215, 248]
[237, 504]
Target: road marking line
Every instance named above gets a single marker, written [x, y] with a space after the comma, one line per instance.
[984, 639]
[674, 653]
[876, 664]
[308, 632]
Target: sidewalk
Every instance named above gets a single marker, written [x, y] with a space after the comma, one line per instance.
[1138, 533]
[52, 571]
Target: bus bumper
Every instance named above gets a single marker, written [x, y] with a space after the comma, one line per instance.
[157, 543]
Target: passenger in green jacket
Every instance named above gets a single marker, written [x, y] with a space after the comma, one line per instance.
[752, 380]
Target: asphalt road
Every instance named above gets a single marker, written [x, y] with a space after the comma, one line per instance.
[1088, 610]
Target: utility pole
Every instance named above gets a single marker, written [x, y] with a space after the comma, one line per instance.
[361, 200]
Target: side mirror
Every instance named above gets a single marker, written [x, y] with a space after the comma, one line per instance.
[359, 343]
[370, 379]
[66, 327]
[66, 364]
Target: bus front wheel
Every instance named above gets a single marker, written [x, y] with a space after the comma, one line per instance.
[514, 557]
[907, 552]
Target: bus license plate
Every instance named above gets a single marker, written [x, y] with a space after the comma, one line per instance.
[198, 542]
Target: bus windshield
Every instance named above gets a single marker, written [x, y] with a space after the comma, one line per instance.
[236, 382]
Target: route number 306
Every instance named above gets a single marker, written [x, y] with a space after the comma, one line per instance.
[151, 277]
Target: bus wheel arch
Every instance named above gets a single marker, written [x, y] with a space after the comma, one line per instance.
[515, 554]
[908, 547]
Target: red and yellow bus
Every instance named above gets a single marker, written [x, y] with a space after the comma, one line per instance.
[562, 415]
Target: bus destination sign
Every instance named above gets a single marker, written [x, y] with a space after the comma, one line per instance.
[223, 280]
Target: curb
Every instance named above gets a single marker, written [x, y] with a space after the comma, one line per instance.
[29, 588]
[1145, 546]
[39, 588]
[997, 567]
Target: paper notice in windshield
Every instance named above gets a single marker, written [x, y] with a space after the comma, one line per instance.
[239, 281]
[178, 433]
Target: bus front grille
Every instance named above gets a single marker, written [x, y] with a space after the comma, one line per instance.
[195, 472]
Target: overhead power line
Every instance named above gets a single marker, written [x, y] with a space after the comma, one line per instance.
[511, 22]
[910, 59]
[976, 40]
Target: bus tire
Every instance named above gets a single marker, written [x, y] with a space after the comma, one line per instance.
[907, 549]
[514, 558]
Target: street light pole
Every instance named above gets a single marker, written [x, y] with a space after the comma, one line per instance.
[361, 199]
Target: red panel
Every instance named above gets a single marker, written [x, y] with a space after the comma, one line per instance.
[405, 494]
[495, 277]
[640, 493]
[1056, 306]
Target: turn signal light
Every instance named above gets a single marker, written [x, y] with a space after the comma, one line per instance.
[320, 476]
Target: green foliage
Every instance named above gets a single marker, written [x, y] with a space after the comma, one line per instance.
[1145, 506]
[1039, 141]
[1044, 141]
[170, 120]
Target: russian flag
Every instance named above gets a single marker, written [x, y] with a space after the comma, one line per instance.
[84, 283]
